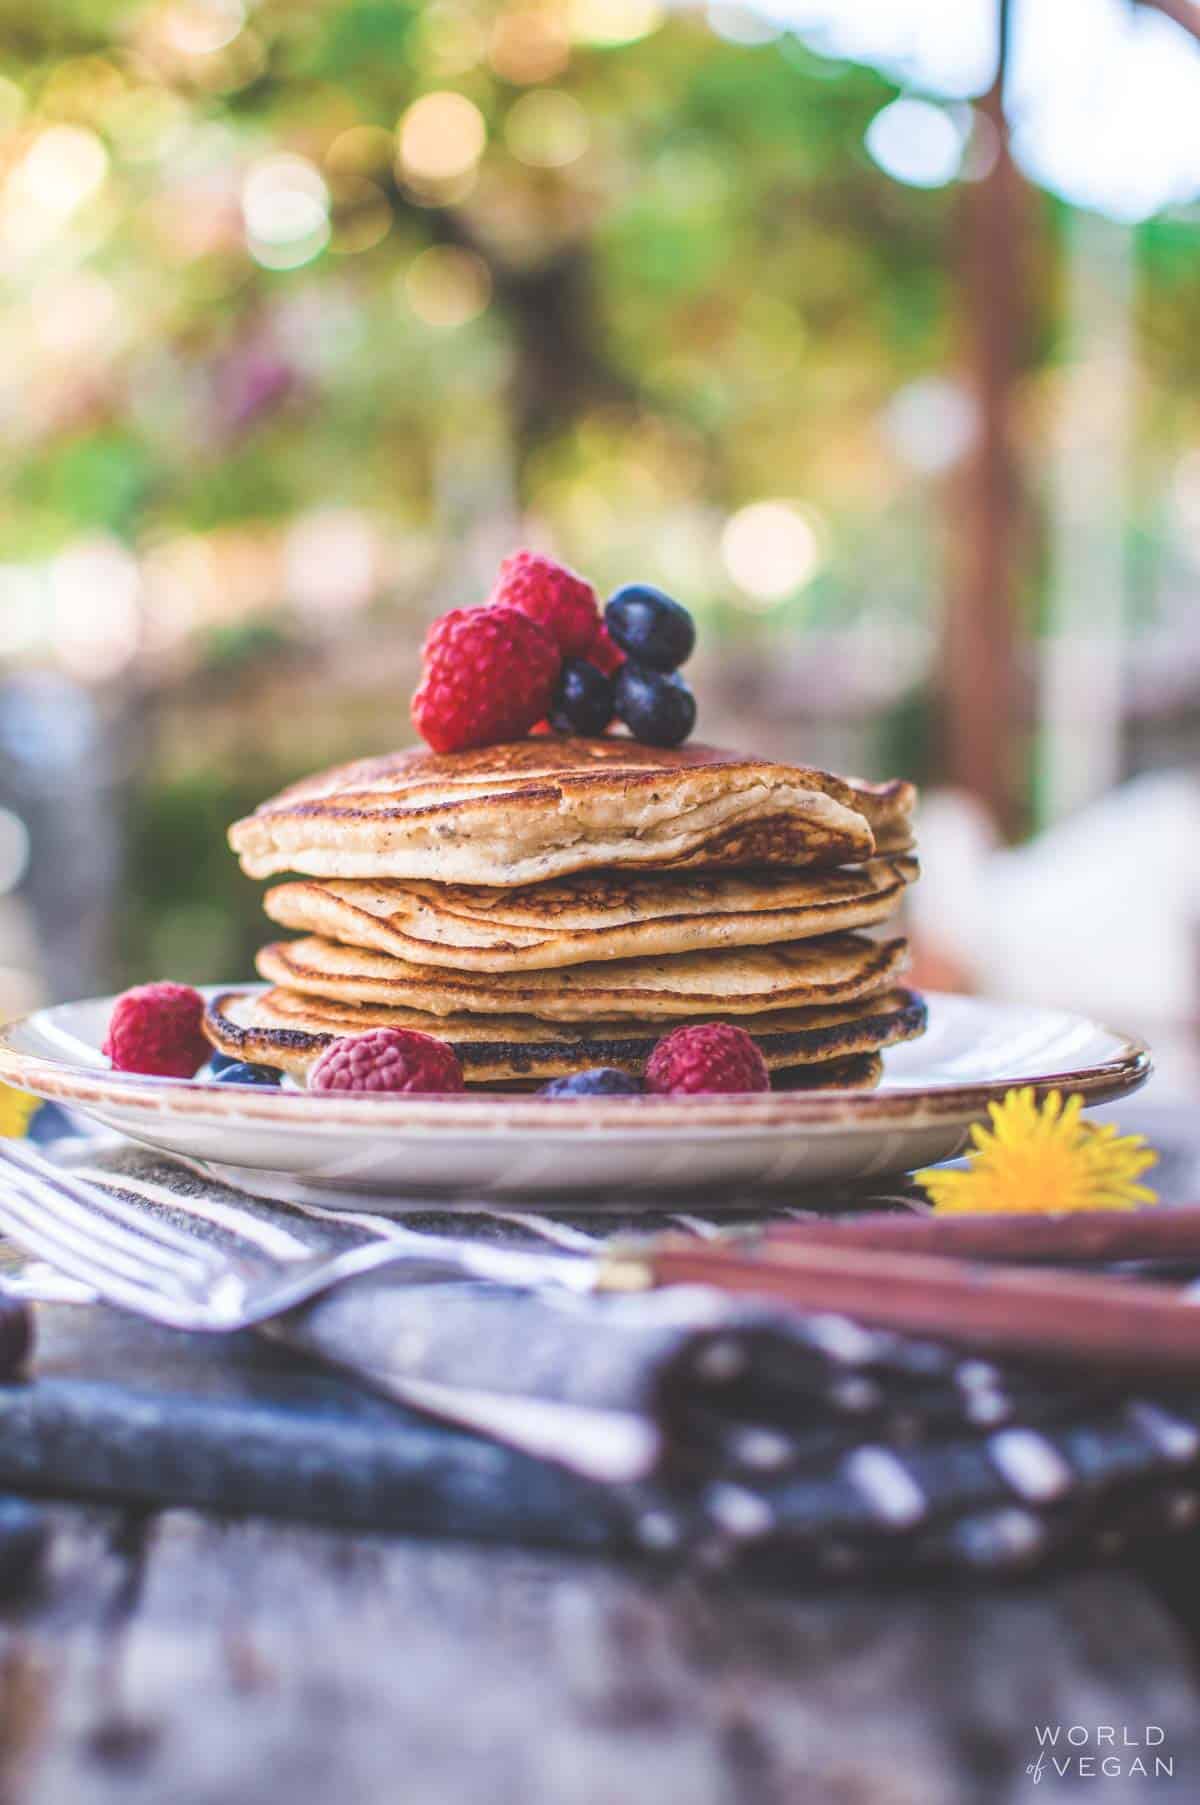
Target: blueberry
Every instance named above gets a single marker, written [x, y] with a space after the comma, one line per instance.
[600, 1081]
[650, 627]
[658, 709]
[50, 1123]
[583, 701]
[220, 1062]
[240, 1072]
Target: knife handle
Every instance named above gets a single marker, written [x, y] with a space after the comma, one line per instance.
[1115, 1325]
[1155, 1232]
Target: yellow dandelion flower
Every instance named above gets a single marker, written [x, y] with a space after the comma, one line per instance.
[16, 1107]
[1043, 1160]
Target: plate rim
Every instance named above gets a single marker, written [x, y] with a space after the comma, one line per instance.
[829, 1111]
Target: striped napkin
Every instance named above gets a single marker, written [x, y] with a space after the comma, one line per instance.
[720, 1429]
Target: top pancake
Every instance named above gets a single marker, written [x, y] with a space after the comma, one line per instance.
[547, 807]
[594, 915]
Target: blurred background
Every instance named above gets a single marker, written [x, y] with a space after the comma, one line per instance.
[866, 329]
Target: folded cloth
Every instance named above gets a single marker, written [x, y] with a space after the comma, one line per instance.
[721, 1428]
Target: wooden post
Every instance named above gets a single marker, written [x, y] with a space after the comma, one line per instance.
[979, 645]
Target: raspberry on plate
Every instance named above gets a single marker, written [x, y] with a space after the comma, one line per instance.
[388, 1059]
[563, 604]
[155, 1029]
[489, 676]
[707, 1058]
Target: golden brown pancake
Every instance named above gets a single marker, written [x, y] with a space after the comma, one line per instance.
[290, 1031]
[547, 806]
[592, 916]
[862, 1073]
[734, 981]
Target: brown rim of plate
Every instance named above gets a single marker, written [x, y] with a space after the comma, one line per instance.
[831, 1111]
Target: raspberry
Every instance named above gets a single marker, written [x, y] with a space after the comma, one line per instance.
[712, 1056]
[387, 1059]
[561, 603]
[605, 653]
[156, 1029]
[489, 675]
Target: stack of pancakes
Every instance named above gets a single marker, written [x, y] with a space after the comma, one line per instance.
[557, 904]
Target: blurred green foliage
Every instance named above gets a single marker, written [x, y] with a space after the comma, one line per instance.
[721, 284]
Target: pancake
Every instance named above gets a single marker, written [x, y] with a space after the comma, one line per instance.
[734, 981]
[282, 1028]
[546, 807]
[862, 1073]
[575, 920]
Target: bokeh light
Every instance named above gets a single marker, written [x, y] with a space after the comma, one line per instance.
[547, 129]
[770, 549]
[95, 588]
[447, 287]
[741, 24]
[330, 562]
[529, 43]
[22, 608]
[145, 123]
[611, 22]
[361, 150]
[63, 167]
[81, 90]
[454, 41]
[201, 27]
[930, 424]
[441, 138]
[916, 142]
[74, 313]
[285, 205]
[362, 215]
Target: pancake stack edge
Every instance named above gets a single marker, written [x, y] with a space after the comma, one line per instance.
[677, 886]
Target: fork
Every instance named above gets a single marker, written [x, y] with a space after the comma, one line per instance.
[221, 1278]
[225, 1281]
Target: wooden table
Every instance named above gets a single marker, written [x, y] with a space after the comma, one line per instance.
[178, 1659]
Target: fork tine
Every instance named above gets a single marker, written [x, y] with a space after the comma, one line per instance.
[106, 1217]
[27, 1220]
[92, 1196]
[74, 1231]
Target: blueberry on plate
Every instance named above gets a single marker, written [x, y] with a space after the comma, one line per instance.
[50, 1122]
[657, 707]
[242, 1072]
[650, 627]
[600, 1081]
[583, 700]
[220, 1062]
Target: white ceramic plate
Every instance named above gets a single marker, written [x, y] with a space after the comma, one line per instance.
[516, 1146]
